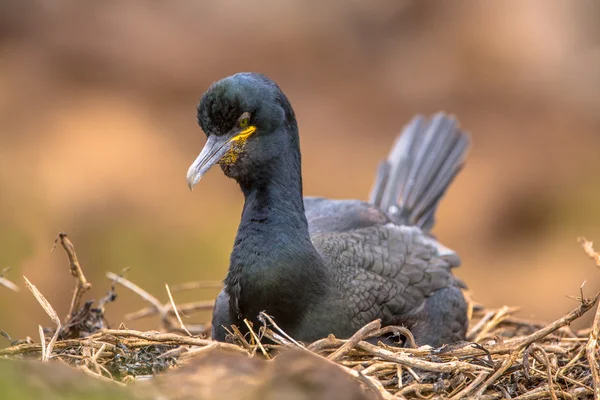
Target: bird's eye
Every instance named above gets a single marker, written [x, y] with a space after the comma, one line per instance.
[244, 120]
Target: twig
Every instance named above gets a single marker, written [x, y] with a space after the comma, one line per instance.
[5, 282]
[180, 287]
[135, 288]
[471, 386]
[156, 304]
[588, 247]
[414, 374]
[175, 310]
[508, 346]
[91, 373]
[355, 339]
[397, 331]
[185, 308]
[43, 342]
[498, 373]
[592, 353]
[413, 362]
[546, 362]
[46, 349]
[498, 317]
[591, 348]
[263, 317]
[256, 339]
[399, 375]
[479, 325]
[82, 284]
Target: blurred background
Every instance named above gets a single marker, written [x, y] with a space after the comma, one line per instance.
[97, 106]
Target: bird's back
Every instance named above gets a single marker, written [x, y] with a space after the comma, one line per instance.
[381, 256]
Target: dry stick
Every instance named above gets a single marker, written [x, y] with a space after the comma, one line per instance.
[585, 306]
[268, 318]
[256, 339]
[472, 386]
[355, 339]
[46, 349]
[484, 320]
[414, 374]
[42, 341]
[508, 346]
[82, 284]
[163, 310]
[396, 330]
[371, 328]
[369, 381]
[160, 308]
[242, 339]
[498, 373]
[279, 339]
[377, 367]
[91, 373]
[406, 360]
[501, 348]
[94, 360]
[8, 284]
[541, 392]
[417, 388]
[591, 350]
[129, 338]
[399, 375]
[98, 352]
[142, 313]
[179, 351]
[5, 282]
[498, 317]
[366, 331]
[185, 308]
[321, 345]
[573, 381]
[175, 310]
[546, 362]
[136, 289]
[196, 285]
[588, 247]
[196, 351]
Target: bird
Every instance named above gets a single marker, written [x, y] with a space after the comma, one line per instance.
[321, 266]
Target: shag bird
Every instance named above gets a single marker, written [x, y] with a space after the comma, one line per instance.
[321, 266]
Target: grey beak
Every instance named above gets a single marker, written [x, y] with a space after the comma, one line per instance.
[214, 149]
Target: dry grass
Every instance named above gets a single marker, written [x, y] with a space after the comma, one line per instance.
[504, 356]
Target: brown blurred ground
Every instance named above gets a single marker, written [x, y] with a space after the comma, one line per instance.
[97, 103]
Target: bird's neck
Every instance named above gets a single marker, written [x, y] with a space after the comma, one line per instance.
[275, 199]
[273, 196]
[274, 265]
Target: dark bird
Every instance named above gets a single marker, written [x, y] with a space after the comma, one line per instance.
[322, 266]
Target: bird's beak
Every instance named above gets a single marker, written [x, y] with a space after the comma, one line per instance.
[214, 150]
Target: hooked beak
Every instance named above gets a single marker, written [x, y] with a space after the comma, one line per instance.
[215, 148]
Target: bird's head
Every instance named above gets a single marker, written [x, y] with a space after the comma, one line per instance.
[248, 121]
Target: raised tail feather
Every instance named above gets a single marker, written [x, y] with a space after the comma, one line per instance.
[423, 162]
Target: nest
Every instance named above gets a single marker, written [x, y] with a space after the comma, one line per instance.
[503, 357]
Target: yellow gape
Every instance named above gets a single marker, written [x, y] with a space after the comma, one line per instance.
[237, 145]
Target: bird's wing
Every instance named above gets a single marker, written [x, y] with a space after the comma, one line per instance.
[386, 271]
[325, 215]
